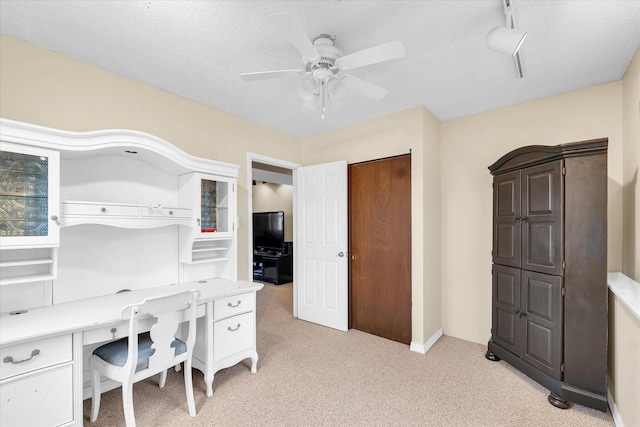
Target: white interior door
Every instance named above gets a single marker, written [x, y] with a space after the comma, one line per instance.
[321, 255]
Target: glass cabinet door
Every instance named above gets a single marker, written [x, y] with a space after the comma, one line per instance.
[29, 180]
[216, 200]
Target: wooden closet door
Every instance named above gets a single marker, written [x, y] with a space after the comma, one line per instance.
[380, 247]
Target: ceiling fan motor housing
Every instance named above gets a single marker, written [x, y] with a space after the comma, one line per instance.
[328, 54]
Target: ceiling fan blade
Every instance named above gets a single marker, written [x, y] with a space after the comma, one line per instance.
[372, 55]
[264, 75]
[296, 35]
[364, 87]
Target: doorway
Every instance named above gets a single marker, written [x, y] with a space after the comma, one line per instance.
[380, 247]
[270, 188]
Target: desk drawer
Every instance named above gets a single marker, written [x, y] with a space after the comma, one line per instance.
[166, 212]
[121, 330]
[96, 209]
[32, 355]
[233, 335]
[231, 306]
[40, 399]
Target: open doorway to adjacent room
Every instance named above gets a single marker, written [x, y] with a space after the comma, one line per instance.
[271, 220]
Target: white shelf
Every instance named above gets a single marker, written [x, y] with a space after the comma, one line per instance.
[28, 265]
[26, 279]
[20, 263]
[195, 250]
[204, 260]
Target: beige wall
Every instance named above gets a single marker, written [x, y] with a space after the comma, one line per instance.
[469, 146]
[624, 326]
[631, 164]
[270, 197]
[42, 87]
[417, 131]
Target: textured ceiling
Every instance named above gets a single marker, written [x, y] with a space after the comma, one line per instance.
[196, 49]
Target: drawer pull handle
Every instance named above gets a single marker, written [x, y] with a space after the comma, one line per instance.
[103, 210]
[34, 353]
[113, 332]
[233, 330]
[234, 306]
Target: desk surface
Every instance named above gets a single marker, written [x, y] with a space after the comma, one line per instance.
[92, 312]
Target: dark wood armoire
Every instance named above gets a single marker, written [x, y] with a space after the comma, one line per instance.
[549, 276]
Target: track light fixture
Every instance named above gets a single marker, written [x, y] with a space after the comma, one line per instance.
[508, 39]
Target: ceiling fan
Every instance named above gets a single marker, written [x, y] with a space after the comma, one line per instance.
[323, 81]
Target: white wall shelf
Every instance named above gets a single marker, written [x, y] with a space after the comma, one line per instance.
[123, 215]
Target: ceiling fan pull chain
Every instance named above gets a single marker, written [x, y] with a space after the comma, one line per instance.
[323, 95]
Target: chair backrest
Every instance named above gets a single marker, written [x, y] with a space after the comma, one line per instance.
[170, 311]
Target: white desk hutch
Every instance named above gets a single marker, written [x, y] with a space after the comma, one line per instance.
[90, 222]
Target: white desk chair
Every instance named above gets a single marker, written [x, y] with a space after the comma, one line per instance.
[140, 356]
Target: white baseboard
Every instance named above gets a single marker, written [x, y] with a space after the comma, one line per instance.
[423, 348]
[614, 411]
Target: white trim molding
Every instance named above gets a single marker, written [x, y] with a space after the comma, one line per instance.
[614, 410]
[423, 348]
[148, 148]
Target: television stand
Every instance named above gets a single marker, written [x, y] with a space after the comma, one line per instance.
[276, 268]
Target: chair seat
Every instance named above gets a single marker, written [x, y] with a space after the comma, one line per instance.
[116, 352]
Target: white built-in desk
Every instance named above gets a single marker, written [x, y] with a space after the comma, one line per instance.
[42, 349]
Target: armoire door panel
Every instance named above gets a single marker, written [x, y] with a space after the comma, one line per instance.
[540, 250]
[542, 313]
[542, 218]
[506, 202]
[507, 248]
[506, 215]
[506, 288]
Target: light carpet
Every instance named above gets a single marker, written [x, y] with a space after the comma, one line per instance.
[309, 375]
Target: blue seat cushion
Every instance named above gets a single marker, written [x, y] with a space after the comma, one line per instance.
[116, 352]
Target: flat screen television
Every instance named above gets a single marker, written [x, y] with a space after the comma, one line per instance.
[268, 231]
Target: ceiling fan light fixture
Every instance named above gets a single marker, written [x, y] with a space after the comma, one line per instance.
[306, 88]
[505, 40]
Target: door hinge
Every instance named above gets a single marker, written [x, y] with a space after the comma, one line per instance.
[563, 291]
[564, 170]
[562, 367]
[564, 265]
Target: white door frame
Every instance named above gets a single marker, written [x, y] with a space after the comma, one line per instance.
[272, 161]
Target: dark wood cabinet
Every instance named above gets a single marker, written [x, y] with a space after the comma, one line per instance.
[549, 303]
[276, 268]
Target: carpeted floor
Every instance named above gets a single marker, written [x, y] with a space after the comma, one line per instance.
[309, 375]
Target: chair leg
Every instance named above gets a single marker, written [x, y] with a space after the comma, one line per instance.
[188, 384]
[163, 378]
[95, 395]
[127, 404]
